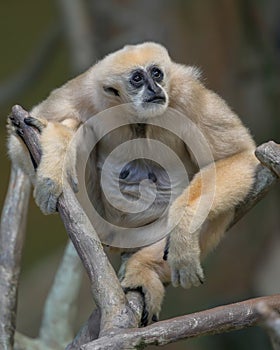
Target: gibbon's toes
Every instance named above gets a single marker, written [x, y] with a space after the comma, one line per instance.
[155, 318]
[175, 277]
[37, 123]
[189, 278]
[13, 122]
[145, 317]
[14, 126]
[46, 194]
[145, 313]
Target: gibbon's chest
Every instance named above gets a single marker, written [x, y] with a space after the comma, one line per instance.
[142, 169]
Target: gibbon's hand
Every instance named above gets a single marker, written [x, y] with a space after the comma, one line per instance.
[184, 260]
[182, 251]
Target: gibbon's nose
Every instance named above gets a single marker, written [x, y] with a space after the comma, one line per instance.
[153, 89]
[155, 93]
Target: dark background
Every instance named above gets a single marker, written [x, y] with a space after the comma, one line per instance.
[237, 46]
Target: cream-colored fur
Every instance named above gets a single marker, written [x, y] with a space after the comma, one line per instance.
[230, 142]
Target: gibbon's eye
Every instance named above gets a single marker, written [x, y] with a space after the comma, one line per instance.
[157, 74]
[110, 90]
[137, 79]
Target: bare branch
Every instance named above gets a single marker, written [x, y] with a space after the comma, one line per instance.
[60, 307]
[23, 342]
[12, 232]
[213, 321]
[89, 331]
[268, 155]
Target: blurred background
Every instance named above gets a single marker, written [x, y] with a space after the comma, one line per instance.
[236, 44]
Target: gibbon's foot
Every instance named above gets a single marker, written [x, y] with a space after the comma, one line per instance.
[145, 318]
[48, 189]
[148, 283]
[46, 194]
[57, 164]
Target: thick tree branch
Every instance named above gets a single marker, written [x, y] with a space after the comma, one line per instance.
[213, 321]
[60, 307]
[268, 155]
[12, 232]
[90, 330]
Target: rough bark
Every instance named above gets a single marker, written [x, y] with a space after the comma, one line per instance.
[12, 233]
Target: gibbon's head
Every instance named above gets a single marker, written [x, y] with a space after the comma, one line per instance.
[136, 74]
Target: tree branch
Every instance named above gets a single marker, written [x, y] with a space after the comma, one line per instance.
[213, 321]
[60, 307]
[268, 155]
[12, 232]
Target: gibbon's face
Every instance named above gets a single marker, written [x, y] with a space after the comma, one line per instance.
[143, 83]
[146, 88]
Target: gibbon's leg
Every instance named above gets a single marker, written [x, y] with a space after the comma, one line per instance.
[234, 179]
[146, 271]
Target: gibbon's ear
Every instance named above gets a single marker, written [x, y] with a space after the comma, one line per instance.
[111, 91]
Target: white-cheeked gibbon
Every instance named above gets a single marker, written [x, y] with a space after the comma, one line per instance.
[145, 77]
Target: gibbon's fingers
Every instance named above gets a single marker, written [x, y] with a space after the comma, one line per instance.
[37, 123]
[187, 273]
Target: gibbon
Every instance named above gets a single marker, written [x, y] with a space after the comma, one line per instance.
[145, 77]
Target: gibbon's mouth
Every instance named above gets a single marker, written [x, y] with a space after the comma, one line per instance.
[156, 99]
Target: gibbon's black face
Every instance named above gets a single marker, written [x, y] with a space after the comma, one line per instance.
[147, 92]
[144, 87]
[149, 81]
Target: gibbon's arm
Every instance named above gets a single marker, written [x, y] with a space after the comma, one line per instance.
[233, 151]
[57, 118]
